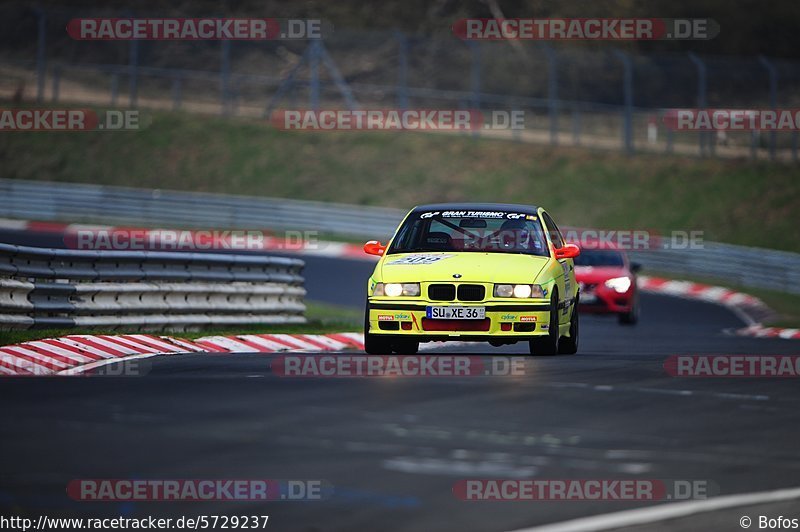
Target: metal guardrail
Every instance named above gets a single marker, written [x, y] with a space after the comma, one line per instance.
[48, 201]
[42, 287]
[749, 267]
[39, 200]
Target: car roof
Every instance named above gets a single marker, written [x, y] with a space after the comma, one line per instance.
[527, 209]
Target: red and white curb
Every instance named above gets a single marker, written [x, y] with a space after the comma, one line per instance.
[749, 308]
[704, 292]
[759, 331]
[78, 353]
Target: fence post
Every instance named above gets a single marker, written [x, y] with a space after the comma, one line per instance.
[552, 91]
[576, 126]
[338, 79]
[56, 83]
[114, 88]
[402, 70]
[627, 128]
[702, 92]
[670, 140]
[225, 77]
[475, 75]
[133, 73]
[313, 66]
[773, 100]
[475, 80]
[177, 90]
[41, 54]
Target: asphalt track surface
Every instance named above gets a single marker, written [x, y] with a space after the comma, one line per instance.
[393, 448]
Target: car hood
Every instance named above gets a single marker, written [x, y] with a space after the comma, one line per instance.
[598, 274]
[472, 267]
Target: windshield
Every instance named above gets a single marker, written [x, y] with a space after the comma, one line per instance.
[599, 257]
[479, 231]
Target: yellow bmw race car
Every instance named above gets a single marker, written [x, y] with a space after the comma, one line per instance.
[500, 273]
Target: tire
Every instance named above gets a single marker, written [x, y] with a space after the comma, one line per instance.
[568, 345]
[548, 345]
[632, 316]
[373, 343]
[405, 347]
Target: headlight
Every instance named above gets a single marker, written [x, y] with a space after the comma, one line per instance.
[619, 284]
[519, 291]
[522, 291]
[396, 289]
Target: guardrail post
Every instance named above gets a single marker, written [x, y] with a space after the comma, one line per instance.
[773, 100]
[627, 88]
[552, 91]
[313, 65]
[702, 92]
[402, 70]
[225, 77]
[41, 54]
[133, 73]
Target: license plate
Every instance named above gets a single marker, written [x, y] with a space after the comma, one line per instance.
[456, 313]
[588, 297]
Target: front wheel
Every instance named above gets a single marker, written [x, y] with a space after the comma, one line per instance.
[405, 347]
[568, 345]
[632, 316]
[548, 345]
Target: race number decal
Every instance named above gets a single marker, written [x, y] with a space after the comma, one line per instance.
[414, 260]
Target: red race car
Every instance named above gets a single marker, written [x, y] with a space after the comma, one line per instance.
[607, 279]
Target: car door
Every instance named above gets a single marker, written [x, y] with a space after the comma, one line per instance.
[567, 287]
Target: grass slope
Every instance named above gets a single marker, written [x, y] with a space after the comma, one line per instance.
[751, 203]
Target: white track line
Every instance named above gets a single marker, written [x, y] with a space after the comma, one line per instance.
[664, 512]
[78, 370]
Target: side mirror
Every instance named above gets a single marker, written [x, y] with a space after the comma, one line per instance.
[373, 247]
[569, 251]
[635, 267]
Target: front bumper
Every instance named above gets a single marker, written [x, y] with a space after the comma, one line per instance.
[602, 300]
[504, 320]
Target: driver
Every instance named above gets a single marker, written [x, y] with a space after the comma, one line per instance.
[514, 234]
